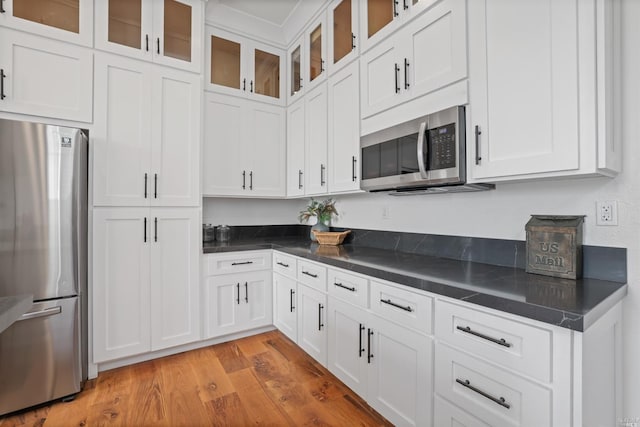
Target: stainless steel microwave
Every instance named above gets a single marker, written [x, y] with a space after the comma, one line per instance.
[425, 152]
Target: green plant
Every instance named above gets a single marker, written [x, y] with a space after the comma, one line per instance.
[324, 211]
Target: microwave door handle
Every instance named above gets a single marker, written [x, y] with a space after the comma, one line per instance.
[422, 150]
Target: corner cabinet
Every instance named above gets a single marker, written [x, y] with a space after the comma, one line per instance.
[146, 134]
[167, 32]
[553, 61]
[244, 150]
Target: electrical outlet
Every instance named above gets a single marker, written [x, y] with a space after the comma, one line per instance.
[607, 212]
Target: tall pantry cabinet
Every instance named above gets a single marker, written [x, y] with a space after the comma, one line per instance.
[146, 182]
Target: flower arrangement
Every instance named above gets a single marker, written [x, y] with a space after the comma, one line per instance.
[324, 211]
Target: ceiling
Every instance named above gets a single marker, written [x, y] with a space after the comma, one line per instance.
[273, 11]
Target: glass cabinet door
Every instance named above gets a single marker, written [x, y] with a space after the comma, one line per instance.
[266, 73]
[125, 23]
[225, 62]
[296, 70]
[342, 30]
[177, 30]
[64, 15]
[316, 63]
[379, 14]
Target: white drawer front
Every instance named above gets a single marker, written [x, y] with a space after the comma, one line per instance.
[447, 414]
[234, 262]
[312, 274]
[518, 346]
[406, 308]
[489, 393]
[284, 264]
[348, 287]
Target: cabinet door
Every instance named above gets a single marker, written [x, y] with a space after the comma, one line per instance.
[45, 77]
[266, 141]
[316, 141]
[316, 45]
[222, 305]
[295, 149]
[226, 64]
[177, 30]
[523, 54]
[122, 132]
[400, 374]
[121, 305]
[447, 414]
[312, 323]
[381, 80]
[378, 19]
[175, 278]
[285, 305]
[175, 161]
[342, 27]
[344, 129]
[222, 172]
[297, 78]
[125, 27]
[256, 303]
[267, 66]
[70, 21]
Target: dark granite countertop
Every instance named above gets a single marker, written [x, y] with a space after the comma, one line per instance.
[572, 304]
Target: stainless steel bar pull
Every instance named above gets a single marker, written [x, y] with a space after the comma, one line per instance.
[299, 179]
[478, 133]
[322, 180]
[499, 400]
[46, 312]
[499, 341]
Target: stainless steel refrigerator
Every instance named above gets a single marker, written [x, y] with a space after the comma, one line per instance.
[43, 252]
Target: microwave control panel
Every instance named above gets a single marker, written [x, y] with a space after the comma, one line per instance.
[442, 147]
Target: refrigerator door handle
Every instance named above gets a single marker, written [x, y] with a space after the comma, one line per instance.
[46, 312]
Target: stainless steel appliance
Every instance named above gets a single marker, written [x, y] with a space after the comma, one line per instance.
[417, 155]
[43, 252]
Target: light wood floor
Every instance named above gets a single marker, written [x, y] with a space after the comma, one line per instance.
[261, 380]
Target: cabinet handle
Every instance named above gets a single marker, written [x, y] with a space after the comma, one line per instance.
[44, 313]
[283, 264]
[242, 263]
[155, 185]
[145, 185]
[468, 330]
[405, 6]
[340, 285]
[244, 84]
[353, 41]
[145, 229]
[369, 354]
[155, 229]
[360, 348]
[315, 276]
[158, 45]
[299, 179]
[2, 6]
[406, 73]
[246, 292]
[478, 133]
[2, 76]
[244, 180]
[322, 65]
[251, 86]
[395, 8]
[238, 293]
[499, 400]
[146, 38]
[251, 180]
[397, 71]
[300, 82]
[322, 181]
[353, 168]
[320, 324]
[401, 307]
[291, 293]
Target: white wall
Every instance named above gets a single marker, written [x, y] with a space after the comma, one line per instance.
[231, 211]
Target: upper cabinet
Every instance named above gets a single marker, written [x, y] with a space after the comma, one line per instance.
[67, 20]
[548, 60]
[307, 59]
[342, 43]
[167, 32]
[241, 67]
[296, 58]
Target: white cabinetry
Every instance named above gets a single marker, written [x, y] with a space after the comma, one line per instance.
[552, 61]
[312, 323]
[244, 148]
[146, 134]
[343, 42]
[295, 149]
[145, 280]
[284, 305]
[315, 176]
[44, 77]
[63, 20]
[167, 32]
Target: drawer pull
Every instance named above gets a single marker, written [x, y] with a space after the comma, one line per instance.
[242, 263]
[283, 264]
[315, 276]
[401, 307]
[360, 348]
[468, 330]
[340, 285]
[499, 400]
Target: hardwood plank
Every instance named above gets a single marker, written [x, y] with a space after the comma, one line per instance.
[228, 410]
[211, 379]
[231, 357]
[182, 403]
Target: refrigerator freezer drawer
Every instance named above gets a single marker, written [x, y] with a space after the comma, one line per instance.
[40, 355]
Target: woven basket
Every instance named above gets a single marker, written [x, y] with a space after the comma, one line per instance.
[333, 238]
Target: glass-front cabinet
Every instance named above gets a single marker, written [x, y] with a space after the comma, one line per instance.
[316, 44]
[342, 40]
[163, 31]
[67, 20]
[297, 70]
[239, 66]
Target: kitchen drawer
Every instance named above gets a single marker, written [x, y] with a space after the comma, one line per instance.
[284, 264]
[406, 308]
[448, 414]
[235, 262]
[491, 394]
[312, 274]
[348, 287]
[499, 338]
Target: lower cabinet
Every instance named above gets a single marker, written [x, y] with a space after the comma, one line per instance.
[285, 304]
[145, 280]
[312, 323]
